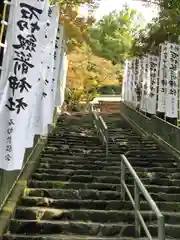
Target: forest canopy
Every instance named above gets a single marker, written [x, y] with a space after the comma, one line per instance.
[102, 47]
[165, 27]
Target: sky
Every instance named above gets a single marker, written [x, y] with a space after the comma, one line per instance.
[107, 6]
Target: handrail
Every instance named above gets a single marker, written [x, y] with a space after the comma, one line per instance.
[101, 129]
[138, 185]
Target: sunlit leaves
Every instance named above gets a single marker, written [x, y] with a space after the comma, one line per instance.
[112, 37]
[164, 28]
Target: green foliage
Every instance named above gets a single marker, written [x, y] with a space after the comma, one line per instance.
[113, 36]
[110, 89]
[163, 28]
[72, 3]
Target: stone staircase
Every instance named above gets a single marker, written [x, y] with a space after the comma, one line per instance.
[74, 193]
[157, 169]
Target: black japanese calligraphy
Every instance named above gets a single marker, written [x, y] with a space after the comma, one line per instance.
[28, 43]
[11, 105]
[17, 104]
[22, 24]
[20, 105]
[11, 122]
[50, 12]
[24, 59]
[153, 65]
[172, 92]
[8, 157]
[24, 85]
[13, 83]
[10, 130]
[8, 148]
[28, 11]
[44, 95]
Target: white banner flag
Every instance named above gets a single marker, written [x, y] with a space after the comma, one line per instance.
[140, 78]
[152, 92]
[47, 103]
[61, 43]
[63, 79]
[136, 79]
[124, 84]
[171, 95]
[38, 86]
[145, 84]
[132, 85]
[57, 61]
[20, 74]
[128, 82]
[162, 79]
[45, 107]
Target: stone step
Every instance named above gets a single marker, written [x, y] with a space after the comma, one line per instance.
[97, 178]
[90, 158]
[71, 138]
[76, 178]
[99, 186]
[155, 180]
[80, 152]
[53, 164]
[172, 172]
[65, 237]
[27, 201]
[118, 204]
[116, 158]
[69, 227]
[99, 166]
[96, 166]
[75, 148]
[84, 228]
[111, 158]
[73, 157]
[63, 136]
[141, 153]
[72, 185]
[149, 158]
[165, 197]
[151, 164]
[132, 147]
[73, 194]
[50, 214]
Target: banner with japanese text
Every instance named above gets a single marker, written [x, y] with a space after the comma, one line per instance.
[57, 62]
[20, 74]
[140, 79]
[124, 84]
[153, 78]
[136, 79]
[162, 86]
[45, 114]
[128, 82]
[37, 88]
[61, 44]
[171, 110]
[63, 78]
[146, 87]
[144, 75]
[132, 83]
